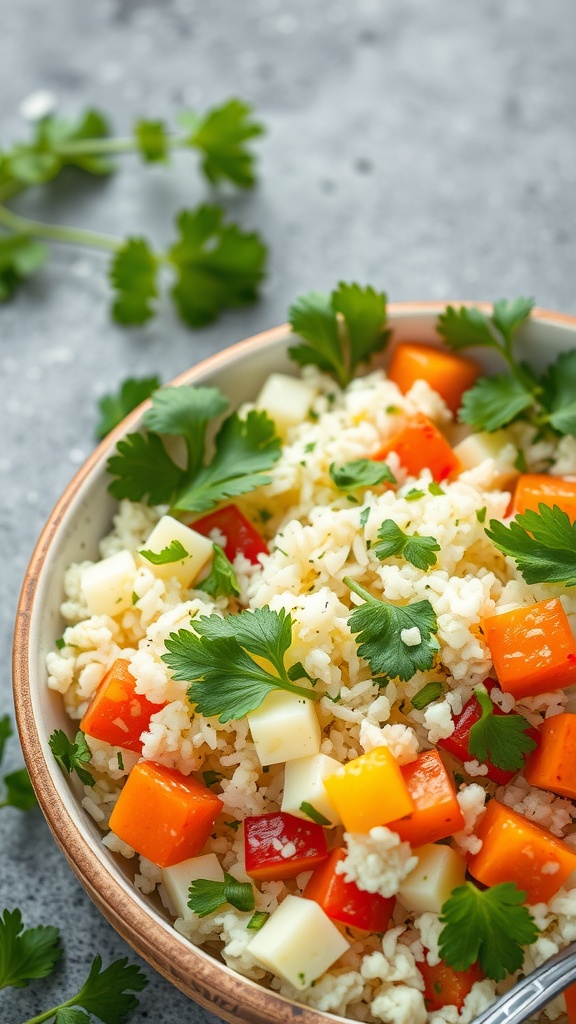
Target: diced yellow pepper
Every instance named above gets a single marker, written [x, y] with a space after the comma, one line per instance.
[369, 791]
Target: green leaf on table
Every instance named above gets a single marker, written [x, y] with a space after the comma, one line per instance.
[108, 993]
[221, 135]
[19, 791]
[133, 272]
[152, 139]
[52, 148]
[20, 256]
[115, 406]
[26, 953]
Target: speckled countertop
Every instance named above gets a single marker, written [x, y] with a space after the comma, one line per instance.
[429, 149]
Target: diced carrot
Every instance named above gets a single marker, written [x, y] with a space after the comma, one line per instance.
[420, 445]
[553, 764]
[163, 815]
[532, 648]
[515, 849]
[533, 489]
[279, 845]
[117, 714]
[369, 791]
[343, 901]
[437, 813]
[444, 986]
[570, 1001]
[447, 373]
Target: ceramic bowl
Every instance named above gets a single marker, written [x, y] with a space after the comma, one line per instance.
[84, 515]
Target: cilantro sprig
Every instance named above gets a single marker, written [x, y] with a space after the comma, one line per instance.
[221, 660]
[542, 543]
[205, 896]
[115, 406]
[244, 450]
[341, 330]
[488, 927]
[72, 756]
[380, 625]
[361, 473]
[173, 552]
[501, 739]
[26, 954]
[221, 581]
[18, 791]
[419, 551]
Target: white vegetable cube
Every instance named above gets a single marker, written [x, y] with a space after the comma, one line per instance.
[107, 586]
[177, 880]
[284, 727]
[304, 783]
[439, 870]
[475, 449]
[198, 550]
[298, 942]
[287, 400]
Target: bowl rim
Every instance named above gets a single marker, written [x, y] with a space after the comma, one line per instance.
[197, 974]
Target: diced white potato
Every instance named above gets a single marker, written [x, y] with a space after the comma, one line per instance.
[177, 880]
[498, 446]
[287, 400]
[298, 942]
[284, 727]
[199, 549]
[304, 783]
[107, 586]
[439, 870]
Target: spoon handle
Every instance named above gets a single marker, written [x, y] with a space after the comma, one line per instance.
[534, 991]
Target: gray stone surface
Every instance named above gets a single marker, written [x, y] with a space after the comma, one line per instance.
[428, 148]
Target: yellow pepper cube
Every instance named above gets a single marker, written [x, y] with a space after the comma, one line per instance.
[369, 791]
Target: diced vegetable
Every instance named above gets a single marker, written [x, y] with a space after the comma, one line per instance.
[570, 1001]
[370, 791]
[517, 850]
[116, 713]
[241, 538]
[304, 785]
[448, 374]
[534, 489]
[180, 551]
[498, 446]
[107, 586]
[278, 846]
[532, 648]
[163, 815]
[420, 445]
[440, 869]
[344, 901]
[553, 764]
[176, 880]
[284, 727]
[436, 812]
[298, 942]
[444, 986]
[286, 400]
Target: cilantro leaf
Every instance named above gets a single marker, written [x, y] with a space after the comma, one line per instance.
[489, 927]
[108, 993]
[52, 148]
[430, 692]
[114, 407]
[501, 739]
[559, 393]
[492, 402]
[143, 470]
[221, 136]
[186, 411]
[310, 811]
[221, 580]
[206, 896]
[19, 791]
[217, 265]
[379, 626]
[211, 777]
[152, 140]
[469, 327]
[26, 953]
[509, 314]
[361, 473]
[72, 756]
[420, 551]
[20, 256]
[340, 331]
[133, 273]
[543, 544]
[173, 552]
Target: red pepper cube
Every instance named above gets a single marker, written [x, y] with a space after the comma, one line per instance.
[533, 649]
[163, 815]
[420, 445]
[570, 1002]
[278, 846]
[117, 714]
[241, 537]
[553, 764]
[437, 812]
[344, 901]
[445, 986]
[458, 744]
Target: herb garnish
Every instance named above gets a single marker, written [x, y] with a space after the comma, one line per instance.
[310, 811]
[114, 407]
[221, 580]
[18, 788]
[501, 739]
[173, 552]
[72, 756]
[429, 692]
[543, 544]
[361, 473]
[419, 551]
[206, 896]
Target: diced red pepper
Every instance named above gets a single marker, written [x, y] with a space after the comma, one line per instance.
[420, 445]
[458, 744]
[241, 536]
[117, 714]
[278, 846]
[444, 986]
[570, 1001]
[437, 813]
[344, 901]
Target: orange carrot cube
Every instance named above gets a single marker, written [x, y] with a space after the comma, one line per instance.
[533, 489]
[436, 813]
[369, 791]
[553, 764]
[447, 373]
[420, 445]
[517, 850]
[570, 1001]
[445, 986]
[532, 648]
[163, 815]
[117, 714]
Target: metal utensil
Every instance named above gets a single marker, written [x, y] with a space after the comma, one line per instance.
[535, 990]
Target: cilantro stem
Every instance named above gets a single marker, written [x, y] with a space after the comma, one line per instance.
[56, 232]
[352, 585]
[111, 147]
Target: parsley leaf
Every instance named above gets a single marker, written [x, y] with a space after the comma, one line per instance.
[26, 953]
[495, 401]
[361, 473]
[20, 256]
[217, 660]
[221, 580]
[144, 471]
[174, 552]
[501, 739]
[221, 136]
[341, 330]
[543, 544]
[152, 139]
[489, 927]
[52, 148]
[430, 692]
[469, 327]
[114, 407]
[559, 394]
[186, 412]
[19, 791]
[310, 811]
[206, 896]
[133, 272]
[379, 626]
[72, 756]
[419, 551]
[108, 993]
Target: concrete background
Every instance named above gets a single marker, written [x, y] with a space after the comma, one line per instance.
[429, 149]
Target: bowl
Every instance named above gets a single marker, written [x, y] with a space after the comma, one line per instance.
[81, 517]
